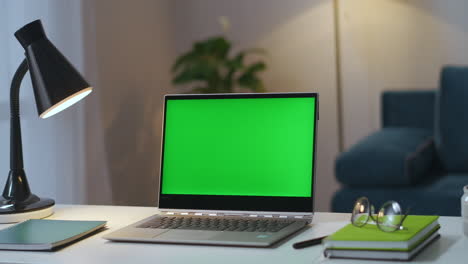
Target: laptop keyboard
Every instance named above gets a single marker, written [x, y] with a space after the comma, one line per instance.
[217, 224]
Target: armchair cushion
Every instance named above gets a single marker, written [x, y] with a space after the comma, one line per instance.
[451, 127]
[408, 109]
[392, 156]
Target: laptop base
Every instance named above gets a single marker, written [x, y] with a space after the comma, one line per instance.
[135, 233]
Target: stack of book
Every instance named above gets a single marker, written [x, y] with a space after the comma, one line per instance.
[368, 242]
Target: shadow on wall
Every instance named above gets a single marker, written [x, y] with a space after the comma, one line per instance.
[132, 147]
[452, 12]
[250, 20]
[4, 111]
[27, 108]
[129, 60]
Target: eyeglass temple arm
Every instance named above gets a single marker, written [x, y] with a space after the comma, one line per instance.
[406, 214]
[403, 219]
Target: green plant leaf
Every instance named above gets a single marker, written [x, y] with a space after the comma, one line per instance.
[201, 69]
[256, 67]
[185, 58]
[236, 63]
[250, 81]
[217, 47]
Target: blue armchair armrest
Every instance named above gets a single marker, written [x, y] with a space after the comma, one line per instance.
[392, 157]
[408, 109]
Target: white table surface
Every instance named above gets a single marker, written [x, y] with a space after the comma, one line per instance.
[452, 247]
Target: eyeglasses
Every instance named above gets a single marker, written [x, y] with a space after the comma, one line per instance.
[388, 219]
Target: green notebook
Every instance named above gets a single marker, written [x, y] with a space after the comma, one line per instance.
[41, 234]
[381, 254]
[417, 229]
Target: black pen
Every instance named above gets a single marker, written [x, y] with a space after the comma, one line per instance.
[308, 243]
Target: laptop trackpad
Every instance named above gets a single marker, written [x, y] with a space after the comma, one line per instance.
[186, 235]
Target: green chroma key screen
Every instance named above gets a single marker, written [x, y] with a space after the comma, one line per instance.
[239, 146]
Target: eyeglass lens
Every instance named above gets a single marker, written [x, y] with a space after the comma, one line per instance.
[361, 212]
[390, 217]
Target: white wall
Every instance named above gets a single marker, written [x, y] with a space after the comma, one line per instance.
[52, 153]
[299, 38]
[128, 56]
[395, 44]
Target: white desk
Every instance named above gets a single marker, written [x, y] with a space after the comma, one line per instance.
[452, 247]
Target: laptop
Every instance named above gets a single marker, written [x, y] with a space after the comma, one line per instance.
[236, 170]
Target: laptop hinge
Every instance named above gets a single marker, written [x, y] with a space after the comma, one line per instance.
[215, 214]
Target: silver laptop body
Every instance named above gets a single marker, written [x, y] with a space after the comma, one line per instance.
[225, 219]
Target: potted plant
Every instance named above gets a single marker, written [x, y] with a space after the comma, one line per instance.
[209, 68]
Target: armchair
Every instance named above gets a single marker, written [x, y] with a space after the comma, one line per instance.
[419, 157]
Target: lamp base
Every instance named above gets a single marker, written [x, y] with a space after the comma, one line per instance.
[31, 208]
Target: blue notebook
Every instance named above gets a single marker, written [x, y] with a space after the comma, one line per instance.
[41, 234]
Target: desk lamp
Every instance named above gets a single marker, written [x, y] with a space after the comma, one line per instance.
[57, 85]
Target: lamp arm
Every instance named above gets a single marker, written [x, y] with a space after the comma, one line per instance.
[17, 187]
[16, 151]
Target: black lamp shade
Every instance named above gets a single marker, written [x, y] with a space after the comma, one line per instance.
[56, 83]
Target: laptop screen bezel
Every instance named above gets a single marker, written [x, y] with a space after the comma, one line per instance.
[237, 202]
